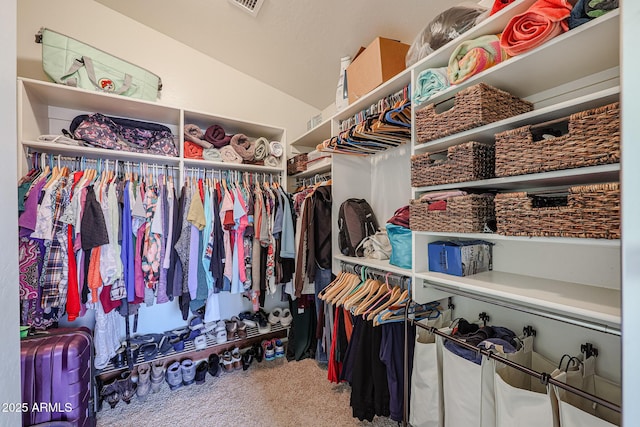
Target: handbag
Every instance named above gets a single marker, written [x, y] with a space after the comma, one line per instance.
[376, 246]
[71, 62]
[400, 238]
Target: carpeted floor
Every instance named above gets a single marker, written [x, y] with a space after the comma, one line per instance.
[275, 394]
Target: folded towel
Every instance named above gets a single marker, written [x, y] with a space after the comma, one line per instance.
[194, 134]
[441, 195]
[430, 82]
[276, 148]
[243, 146]
[439, 205]
[192, 150]
[212, 154]
[498, 5]
[544, 20]
[272, 161]
[262, 149]
[586, 10]
[229, 155]
[474, 56]
[216, 135]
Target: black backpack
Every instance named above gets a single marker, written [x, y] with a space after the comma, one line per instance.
[356, 221]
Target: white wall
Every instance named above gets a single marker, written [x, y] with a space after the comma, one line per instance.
[9, 315]
[191, 79]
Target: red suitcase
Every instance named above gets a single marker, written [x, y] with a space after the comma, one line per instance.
[57, 378]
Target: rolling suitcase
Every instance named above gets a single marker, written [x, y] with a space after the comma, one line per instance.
[57, 378]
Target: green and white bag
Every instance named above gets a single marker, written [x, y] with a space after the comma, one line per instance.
[70, 62]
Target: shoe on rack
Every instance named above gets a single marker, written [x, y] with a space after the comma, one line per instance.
[227, 361]
[127, 387]
[242, 330]
[274, 316]
[144, 381]
[174, 375]
[201, 372]
[165, 345]
[269, 351]
[286, 318]
[149, 351]
[278, 347]
[248, 318]
[214, 365]
[221, 335]
[120, 359]
[188, 371]
[247, 358]
[264, 326]
[200, 342]
[258, 352]
[157, 375]
[232, 328]
[236, 358]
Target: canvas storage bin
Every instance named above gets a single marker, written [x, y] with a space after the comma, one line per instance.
[591, 211]
[464, 214]
[474, 106]
[587, 138]
[470, 161]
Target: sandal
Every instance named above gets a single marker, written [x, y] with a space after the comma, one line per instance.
[242, 330]
[236, 358]
[232, 327]
[227, 361]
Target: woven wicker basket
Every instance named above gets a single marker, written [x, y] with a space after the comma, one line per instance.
[593, 138]
[465, 162]
[474, 106]
[592, 211]
[464, 214]
[297, 163]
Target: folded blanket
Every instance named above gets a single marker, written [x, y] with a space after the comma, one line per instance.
[216, 135]
[243, 146]
[276, 149]
[430, 82]
[441, 195]
[262, 149]
[498, 5]
[439, 205]
[586, 10]
[192, 150]
[474, 56]
[544, 20]
[229, 155]
[272, 161]
[212, 154]
[194, 134]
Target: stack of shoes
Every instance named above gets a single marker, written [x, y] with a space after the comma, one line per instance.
[269, 350]
[201, 372]
[157, 376]
[144, 381]
[214, 365]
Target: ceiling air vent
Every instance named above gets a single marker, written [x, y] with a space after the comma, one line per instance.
[252, 7]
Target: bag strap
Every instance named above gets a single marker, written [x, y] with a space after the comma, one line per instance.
[87, 63]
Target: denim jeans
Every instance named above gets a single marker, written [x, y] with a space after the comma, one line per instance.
[323, 278]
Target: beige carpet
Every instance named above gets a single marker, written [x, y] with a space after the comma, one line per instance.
[274, 394]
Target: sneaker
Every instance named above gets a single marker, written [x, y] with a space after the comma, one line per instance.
[269, 351]
[227, 361]
[286, 318]
[221, 336]
[214, 365]
[236, 358]
[188, 372]
[174, 376]
[200, 342]
[248, 318]
[201, 372]
[274, 316]
[278, 347]
[264, 326]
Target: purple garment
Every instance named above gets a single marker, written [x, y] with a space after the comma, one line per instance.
[194, 258]
[138, 275]
[127, 252]
[27, 221]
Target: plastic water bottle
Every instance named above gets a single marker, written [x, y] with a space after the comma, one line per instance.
[342, 97]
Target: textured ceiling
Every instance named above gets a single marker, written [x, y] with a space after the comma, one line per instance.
[292, 45]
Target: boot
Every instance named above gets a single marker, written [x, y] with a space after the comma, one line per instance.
[127, 387]
[157, 376]
[144, 381]
[110, 393]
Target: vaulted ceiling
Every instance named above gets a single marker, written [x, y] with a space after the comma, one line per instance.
[292, 45]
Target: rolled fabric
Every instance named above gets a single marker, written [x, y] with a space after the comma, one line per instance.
[192, 150]
[544, 20]
[474, 56]
[276, 148]
[262, 149]
[430, 82]
[243, 146]
[585, 10]
[212, 154]
[272, 161]
[216, 135]
[498, 5]
[194, 134]
[229, 155]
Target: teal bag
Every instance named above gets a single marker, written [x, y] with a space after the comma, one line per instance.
[70, 62]
[400, 238]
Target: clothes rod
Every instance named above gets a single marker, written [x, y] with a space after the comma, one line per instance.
[542, 313]
[382, 274]
[544, 377]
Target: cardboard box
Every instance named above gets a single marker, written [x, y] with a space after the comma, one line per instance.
[380, 61]
[460, 258]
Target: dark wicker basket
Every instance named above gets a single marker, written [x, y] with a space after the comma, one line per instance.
[593, 138]
[591, 211]
[474, 106]
[297, 163]
[465, 162]
[464, 214]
